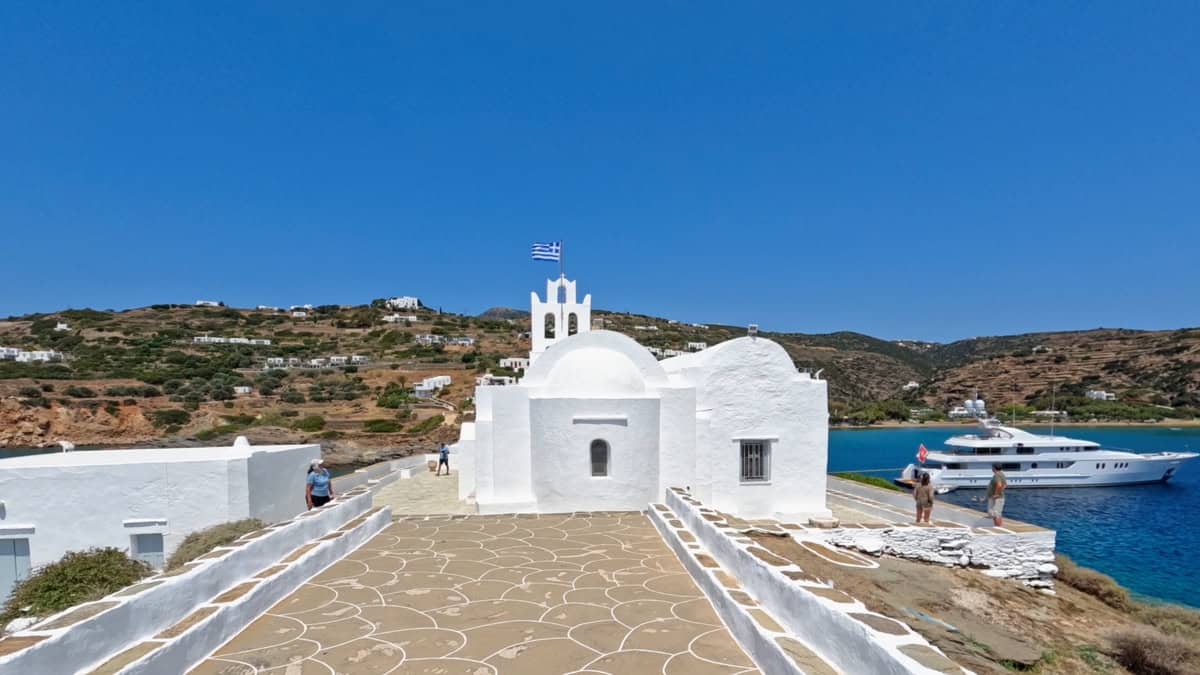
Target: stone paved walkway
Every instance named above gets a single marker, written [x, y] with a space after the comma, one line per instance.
[499, 595]
[423, 494]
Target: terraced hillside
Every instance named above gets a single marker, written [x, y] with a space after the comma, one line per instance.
[138, 375]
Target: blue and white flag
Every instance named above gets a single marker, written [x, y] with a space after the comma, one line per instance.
[547, 251]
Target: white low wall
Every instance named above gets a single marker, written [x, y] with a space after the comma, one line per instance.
[182, 653]
[1022, 555]
[846, 643]
[90, 642]
[758, 644]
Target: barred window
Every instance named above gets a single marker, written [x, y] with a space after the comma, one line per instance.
[756, 461]
[599, 458]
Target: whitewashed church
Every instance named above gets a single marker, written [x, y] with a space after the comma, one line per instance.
[597, 424]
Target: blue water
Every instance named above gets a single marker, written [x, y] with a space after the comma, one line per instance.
[1140, 535]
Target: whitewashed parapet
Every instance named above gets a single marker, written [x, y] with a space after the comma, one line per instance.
[166, 599]
[846, 642]
[1019, 555]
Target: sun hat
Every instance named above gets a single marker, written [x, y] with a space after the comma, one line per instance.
[316, 462]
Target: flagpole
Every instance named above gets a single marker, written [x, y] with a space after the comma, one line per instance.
[562, 276]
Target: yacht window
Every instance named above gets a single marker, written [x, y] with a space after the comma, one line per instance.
[1033, 466]
[1011, 466]
[954, 466]
[1021, 450]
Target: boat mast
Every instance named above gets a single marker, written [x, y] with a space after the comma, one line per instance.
[1053, 408]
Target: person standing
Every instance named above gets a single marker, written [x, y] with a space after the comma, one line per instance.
[443, 459]
[319, 486]
[995, 504]
[924, 497]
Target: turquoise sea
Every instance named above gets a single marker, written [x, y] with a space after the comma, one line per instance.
[1140, 535]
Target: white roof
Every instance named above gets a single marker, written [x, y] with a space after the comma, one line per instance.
[137, 456]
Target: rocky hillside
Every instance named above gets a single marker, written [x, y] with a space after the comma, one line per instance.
[138, 375]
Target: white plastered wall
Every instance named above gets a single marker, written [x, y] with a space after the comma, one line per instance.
[560, 312]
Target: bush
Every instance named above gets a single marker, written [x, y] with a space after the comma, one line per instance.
[393, 396]
[292, 396]
[80, 576]
[200, 542]
[869, 480]
[1147, 651]
[31, 392]
[47, 387]
[289, 413]
[426, 425]
[219, 430]
[79, 392]
[381, 426]
[310, 423]
[170, 417]
[1172, 619]
[1100, 586]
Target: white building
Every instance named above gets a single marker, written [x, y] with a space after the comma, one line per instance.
[911, 386]
[490, 380]
[428, 339]
[645, 327]
[462, 341]
[697, 346]
[242, 390]
[403, 302]
[144, 501]
[61, 326]
[316, 363]
[208, 303]
[38, 355]
[299, 314]
[293, 361]
[515, 363]
[275, 361]
[300, 307]
[429, 386]
[359, 359]
[220, 340]
[959, 411]
[554, 320]
[9, 353]
[339, 360]
[397, 318]
[598, 424]
[267, 308]
[1101, 395]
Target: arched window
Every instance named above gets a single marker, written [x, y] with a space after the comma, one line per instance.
[572, 324]
[599, 458]
[549, 330]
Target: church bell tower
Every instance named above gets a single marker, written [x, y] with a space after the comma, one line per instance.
[560, 316]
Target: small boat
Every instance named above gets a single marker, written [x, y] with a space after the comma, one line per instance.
[1033, 460]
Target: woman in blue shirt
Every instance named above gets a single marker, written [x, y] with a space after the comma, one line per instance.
[319, 488]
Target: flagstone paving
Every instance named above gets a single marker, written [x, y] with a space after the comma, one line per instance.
[500, 595]
[424, 493]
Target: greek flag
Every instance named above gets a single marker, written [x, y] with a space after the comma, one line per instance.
[547, 251]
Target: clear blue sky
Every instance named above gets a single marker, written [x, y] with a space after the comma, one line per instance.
[932, 170]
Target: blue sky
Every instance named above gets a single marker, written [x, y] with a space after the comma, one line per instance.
[908, 169]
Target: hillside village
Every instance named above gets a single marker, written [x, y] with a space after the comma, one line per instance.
[394, 376]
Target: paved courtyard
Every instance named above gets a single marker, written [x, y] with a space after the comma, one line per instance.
[423, 494]
[480, 595]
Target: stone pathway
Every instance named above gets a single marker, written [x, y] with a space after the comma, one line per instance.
[423, 494]
[479, 595]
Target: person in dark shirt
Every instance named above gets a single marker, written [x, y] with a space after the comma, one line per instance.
[924, 498]
[443, 459]
[995, 495]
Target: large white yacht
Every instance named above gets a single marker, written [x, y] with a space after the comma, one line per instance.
[1032, 460]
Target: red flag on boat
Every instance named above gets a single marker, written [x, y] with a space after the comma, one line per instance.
[922, 453]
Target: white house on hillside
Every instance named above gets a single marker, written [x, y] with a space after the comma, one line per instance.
[404, 302]
[208, 303]
[515, 363]
[143, 501]
[598, 424]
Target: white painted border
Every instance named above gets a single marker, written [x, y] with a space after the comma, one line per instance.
[845, 643]
[90, 642]
[758, 643]
[183, 652]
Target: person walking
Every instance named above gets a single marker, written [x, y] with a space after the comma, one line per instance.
[924, 498]
[443, 459]
[995, 503]
[318, 489]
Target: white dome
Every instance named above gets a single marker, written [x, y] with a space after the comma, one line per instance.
[595, 372]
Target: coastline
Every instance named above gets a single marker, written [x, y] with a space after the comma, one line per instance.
[892, 424]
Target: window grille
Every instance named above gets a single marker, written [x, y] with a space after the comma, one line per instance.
[756, 461]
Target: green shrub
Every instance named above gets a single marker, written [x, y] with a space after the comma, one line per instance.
[30, 392]
[426, 425]
[47, 387]
[1147, 651]
[869, 480]
[219, 430]
[170, 417]
[1100, 586]
[112, 409]
[310, 423]
[79, 392]
[289, 413]
[292, 396]
[241, 420]
[331, 434]
[80, 576]
[393, 396]
[381, 426]
[200, 542]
